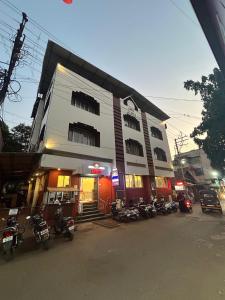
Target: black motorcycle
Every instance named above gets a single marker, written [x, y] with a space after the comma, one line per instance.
[146, 210]
[40, 230]
[64, 225]
[124, 214]
[171, 206]
[12, 235]
[160, 207]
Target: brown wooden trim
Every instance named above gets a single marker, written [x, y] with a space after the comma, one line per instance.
[118, 135]
[129, 163]
[147, 144]
[75, 155]
[162, 168]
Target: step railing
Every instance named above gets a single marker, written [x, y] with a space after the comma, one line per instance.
[104, 206]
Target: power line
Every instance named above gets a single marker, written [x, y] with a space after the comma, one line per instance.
[183, 12]
[174, 99]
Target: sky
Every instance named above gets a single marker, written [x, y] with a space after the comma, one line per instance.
[153, 46]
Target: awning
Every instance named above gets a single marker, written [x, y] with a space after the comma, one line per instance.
[18, 165]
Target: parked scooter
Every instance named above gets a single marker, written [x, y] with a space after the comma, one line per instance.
[12, 235]
[185, 205]
[160, 207]
[64, 225]
[171, 206]
[124, 214]
[146, 210]
[40, 230]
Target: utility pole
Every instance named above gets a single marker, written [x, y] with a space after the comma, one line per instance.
[179, 142]
[15, 56]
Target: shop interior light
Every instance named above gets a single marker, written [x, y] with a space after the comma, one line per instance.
[37, 174]
[59, 169]
[91, 167]
[102, 168]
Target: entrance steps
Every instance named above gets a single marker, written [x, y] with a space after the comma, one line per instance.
[90, 213]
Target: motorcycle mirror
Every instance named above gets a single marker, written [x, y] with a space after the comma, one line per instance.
[28, 217]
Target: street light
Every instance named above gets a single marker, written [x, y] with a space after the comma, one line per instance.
[183, 161]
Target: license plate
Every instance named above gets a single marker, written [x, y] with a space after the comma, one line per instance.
[71, 228]
[44, 232]
[7, 239]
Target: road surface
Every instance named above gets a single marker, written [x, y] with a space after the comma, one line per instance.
[170, 257]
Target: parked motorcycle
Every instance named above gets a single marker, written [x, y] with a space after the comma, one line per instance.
[12, 235]
[146, 210]
[40, 230]
[64, 225]
[160, 207]
[171, 206]
[124, 214]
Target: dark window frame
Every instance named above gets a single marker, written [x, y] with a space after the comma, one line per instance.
[131, 122]
[81, 133]
[156, 133]
[160, 154]
[133, 147]
[85, 102]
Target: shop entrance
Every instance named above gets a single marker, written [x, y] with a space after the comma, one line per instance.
[88, 189]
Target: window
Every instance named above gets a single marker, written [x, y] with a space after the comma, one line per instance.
[41, 138]
[134, 181]
[134, 147]
[85, 102]
[156, 133]
[47, 103]
[161, 182]
[129, 181]
[63, 181]
[138, 181]
[84, 134]
[195, 160]
[199, 171]
[131, 122]
[160, 154]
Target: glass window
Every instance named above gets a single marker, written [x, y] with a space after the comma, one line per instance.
[131, 122]
[63, 181]
[83, 134]
[138, 181]
[160, 154]
[161, 182]
[85, 102]
[156, 133]
[133, 181]
[129, 181]
[134, 147]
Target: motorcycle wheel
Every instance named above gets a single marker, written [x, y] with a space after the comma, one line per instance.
[45, 245]
[69, 235]
[8, 254]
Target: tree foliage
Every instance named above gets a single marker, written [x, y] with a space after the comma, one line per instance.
[210, 133]
[16, 139]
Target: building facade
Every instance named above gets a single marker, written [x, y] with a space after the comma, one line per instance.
[99, 138]
[196, 167]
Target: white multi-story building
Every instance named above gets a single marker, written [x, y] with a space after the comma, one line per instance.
[96, 134]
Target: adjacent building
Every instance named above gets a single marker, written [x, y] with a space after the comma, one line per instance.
[99, 138]
[194, 168]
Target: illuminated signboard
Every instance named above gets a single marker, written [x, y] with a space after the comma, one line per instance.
[115, 177]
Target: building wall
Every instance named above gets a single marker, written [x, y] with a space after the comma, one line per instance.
[1, 140]
[166, 167]
[61, 113]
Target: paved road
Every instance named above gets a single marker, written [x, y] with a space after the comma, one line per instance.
[172, 257]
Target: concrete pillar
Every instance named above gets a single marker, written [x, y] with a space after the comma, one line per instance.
[29, 192]
[36, 192]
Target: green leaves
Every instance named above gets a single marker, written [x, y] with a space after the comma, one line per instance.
[212, 127]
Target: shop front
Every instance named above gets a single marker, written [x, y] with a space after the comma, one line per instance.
[163, 187]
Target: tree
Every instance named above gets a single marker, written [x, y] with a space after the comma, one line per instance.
[16, 139]
[210, 133]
